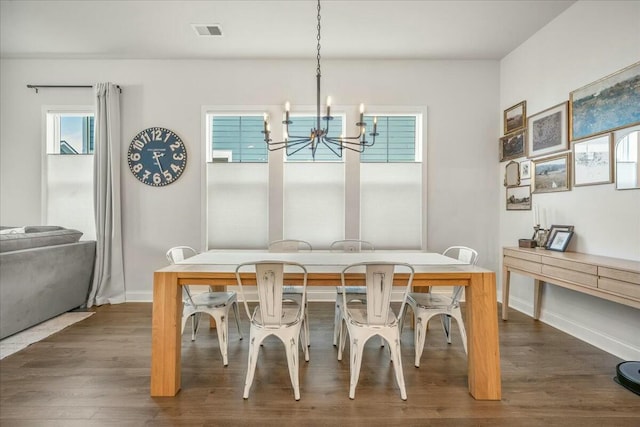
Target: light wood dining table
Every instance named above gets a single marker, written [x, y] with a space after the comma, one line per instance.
[217, 268]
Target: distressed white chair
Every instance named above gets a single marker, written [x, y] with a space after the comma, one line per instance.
[215, 304]
[292, 293]
[427, 305]
[273, 316]
[363, 320]
[353, 292]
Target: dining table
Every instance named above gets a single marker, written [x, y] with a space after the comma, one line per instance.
[217, 268]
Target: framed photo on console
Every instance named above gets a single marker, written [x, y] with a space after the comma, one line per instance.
[555, 229]
[560, 241]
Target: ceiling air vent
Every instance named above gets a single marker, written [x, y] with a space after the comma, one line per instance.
[207, 29]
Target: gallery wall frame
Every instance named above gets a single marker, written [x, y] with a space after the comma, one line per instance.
[518, 198]
[512, 146]
[525, 169]
[552, 174]
[547, 131]
[515, 117]
[611, 103]
[592, 163]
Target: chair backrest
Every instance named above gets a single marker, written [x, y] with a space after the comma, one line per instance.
[465, 254]
[379, 282]
[177, 254]
[289, 245]
[180, 253]
[269, 278]
[351, 245]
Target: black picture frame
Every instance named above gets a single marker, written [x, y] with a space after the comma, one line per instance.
[560, 241]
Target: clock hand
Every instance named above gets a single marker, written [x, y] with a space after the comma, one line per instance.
[156, 157]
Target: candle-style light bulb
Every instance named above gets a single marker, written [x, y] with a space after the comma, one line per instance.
[361, 113]
[287, 107]
[266, 123]
[375, 123]
[328, 106]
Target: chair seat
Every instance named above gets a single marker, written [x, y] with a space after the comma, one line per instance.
[353, 290]
[429, 301]
[358, 315]
[213, 299]
[289, 317]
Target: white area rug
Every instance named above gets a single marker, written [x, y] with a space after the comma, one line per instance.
[23, 339]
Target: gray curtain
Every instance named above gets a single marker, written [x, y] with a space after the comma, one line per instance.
[108, 277]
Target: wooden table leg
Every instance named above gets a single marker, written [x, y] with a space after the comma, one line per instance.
[482, 337]
[166, 335]
[537, 296]
[506, 281]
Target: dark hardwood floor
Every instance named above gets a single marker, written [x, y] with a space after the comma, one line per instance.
[96, 373]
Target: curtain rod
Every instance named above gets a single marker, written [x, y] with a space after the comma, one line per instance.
[36, 87]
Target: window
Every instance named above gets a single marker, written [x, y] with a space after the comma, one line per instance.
[397, 141]
[302, 126]
[70, 132]
[68, 190]
[236, 139]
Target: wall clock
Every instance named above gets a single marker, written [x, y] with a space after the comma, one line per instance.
[157, 156]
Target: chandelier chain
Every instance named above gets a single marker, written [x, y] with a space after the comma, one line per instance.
[318, 38]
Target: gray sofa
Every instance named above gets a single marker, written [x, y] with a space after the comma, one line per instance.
[44, 271]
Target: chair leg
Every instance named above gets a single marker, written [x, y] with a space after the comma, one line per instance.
[291, 348]
[420, 333]
[237, 316]
[342, 338]
[337, 319]
[457, 314]
[446, 325]
[222, 326]
[195, 323]
[254, 348]
[355, 350]
[396, 359]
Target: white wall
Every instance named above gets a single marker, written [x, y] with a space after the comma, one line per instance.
[461, 98]
[590, 40]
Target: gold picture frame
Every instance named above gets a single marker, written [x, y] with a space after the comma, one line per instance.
[552, 174]
[515, 118]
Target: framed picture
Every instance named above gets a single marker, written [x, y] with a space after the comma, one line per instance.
[515, 118]
[592, 161]
[525, 169]
[554, 229]
[512, 146]
[551, 174]
[560, 241]
[547, 131]
[610, 103]
[519, 198]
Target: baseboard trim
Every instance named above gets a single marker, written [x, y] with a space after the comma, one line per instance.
[596, 338]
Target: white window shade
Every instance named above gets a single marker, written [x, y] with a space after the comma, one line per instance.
[314, 202]
[391, 205]
[70, 193]
[237, 205]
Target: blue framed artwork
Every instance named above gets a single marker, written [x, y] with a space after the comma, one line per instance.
[610, 103]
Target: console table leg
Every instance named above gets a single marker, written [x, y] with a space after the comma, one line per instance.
[537, 297]
[506, 277]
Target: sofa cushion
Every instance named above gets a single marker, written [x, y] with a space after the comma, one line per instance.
[12, 230]
[16, 242]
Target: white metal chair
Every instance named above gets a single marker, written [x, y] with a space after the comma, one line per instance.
[215, 304]
[273, 316]
[293, 293]
[353, 292]
[427, 305]
[363, 320]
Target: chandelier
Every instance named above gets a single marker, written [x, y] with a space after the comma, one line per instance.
[320, 135]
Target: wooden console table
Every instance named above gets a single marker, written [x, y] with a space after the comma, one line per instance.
[612, 279]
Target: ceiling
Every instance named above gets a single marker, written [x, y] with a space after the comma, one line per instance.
[354, 29]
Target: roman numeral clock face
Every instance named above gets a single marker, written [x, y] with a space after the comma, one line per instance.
[157, 156]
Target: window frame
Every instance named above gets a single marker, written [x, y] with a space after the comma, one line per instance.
[208, 117]
[52, 126]
[418, 141]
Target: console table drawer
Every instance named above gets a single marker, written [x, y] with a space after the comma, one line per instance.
[522, 264]
[583, 279]
[624, 288]
[571, 265]
[625, 276]
[522, 255]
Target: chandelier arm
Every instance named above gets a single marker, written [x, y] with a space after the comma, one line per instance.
[330, 145]
[290, 153]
